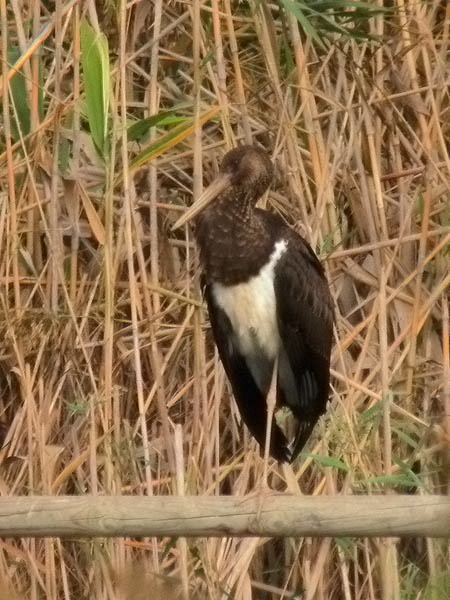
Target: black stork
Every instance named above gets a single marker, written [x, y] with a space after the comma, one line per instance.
[268, 302]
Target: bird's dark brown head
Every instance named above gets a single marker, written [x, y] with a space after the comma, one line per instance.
[250, 170]
[245, 174]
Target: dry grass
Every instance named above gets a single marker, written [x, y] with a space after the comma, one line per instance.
[109, 379]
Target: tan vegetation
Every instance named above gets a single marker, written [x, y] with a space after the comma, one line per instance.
[109, 380]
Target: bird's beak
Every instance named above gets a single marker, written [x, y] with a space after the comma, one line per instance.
[219, 185]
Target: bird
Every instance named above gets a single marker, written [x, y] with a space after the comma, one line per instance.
[269, 304]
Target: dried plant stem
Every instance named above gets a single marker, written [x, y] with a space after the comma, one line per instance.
[111, 384]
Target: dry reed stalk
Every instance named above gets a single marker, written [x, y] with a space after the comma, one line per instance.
[105, 349]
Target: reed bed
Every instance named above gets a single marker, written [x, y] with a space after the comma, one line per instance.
[110, 383]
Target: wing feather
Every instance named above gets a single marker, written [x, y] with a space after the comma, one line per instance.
[305, 322]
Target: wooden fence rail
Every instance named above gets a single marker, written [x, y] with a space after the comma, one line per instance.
[191, 516]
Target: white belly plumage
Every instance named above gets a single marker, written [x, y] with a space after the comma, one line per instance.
[251, 308]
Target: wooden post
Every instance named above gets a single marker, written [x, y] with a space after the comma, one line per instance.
[225, 516]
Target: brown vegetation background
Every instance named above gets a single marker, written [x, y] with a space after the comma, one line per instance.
[110, 383]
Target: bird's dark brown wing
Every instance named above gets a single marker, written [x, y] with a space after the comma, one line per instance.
[249, 399]
[305, 322]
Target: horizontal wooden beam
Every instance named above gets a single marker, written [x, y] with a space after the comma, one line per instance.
[222, 516]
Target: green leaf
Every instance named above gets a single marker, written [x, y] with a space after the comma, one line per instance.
[372, 414]
[140, 128]
[64, 154]
[420, 203]
[97, 83]
[328, 461]
[162, 144]
[402, 480]
[346, 544]
[171, 139]
[294, 8]
[20, 98]
[327, 245]
[405, 437]
[408, 472]
[438, 586]
[78, 408]
[342, 17]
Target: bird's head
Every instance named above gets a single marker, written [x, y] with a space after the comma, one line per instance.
[249, 168]
[245, 171]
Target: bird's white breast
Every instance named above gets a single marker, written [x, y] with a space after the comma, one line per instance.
[251, 308]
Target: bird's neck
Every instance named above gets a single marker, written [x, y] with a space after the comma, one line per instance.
[233, 242]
